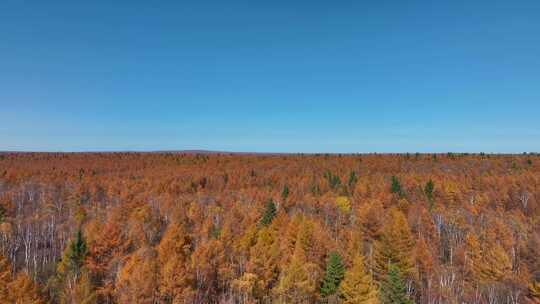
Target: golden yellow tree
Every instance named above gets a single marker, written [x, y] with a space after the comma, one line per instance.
[425, 263]
[245, 287]
[83, 292]
[534, 291]
[298, 280]
[395, 247]
[263, 262]
[5, 279]
[23, 290]
[18, 290]
[488, 263]
[358, 286]
[138, 279]
[344, 204]
[496, 263]
[173, 254]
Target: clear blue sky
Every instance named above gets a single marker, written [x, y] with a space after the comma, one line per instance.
[288, 76]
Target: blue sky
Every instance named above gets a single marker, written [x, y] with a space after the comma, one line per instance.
[275, 76]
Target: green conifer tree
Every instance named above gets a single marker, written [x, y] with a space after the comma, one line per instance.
[269, 213]
[2, 213]
[285, 192]
[428, 190]
[393, 289]
[396, 186]
[353, 179]
[76, 253]
[72, 283]
[335, 271]
[333, 180]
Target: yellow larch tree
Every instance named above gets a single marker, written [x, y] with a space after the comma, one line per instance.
[358, 286]
[173, 255]
[395, 247]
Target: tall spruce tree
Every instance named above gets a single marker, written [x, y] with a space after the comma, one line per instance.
[285, 192]
[335, 271]
[71, 283]
[269, 213]
[333, 180]
[353, 178]
[76, 253]
[396, 186]
[428, 190]
[393, 289]
[2, 214]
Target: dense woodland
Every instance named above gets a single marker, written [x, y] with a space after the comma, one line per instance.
[253, 228]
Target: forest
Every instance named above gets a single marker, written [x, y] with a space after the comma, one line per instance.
[178, 227]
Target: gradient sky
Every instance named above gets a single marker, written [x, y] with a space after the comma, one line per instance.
[274, 76]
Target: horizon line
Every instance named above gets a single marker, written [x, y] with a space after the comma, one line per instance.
[203, 151]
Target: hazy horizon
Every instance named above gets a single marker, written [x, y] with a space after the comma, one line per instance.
[203, 151]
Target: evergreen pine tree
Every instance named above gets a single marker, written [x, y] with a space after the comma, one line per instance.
[396, 186]
[333, 180]
[393, 289]
[269, 213]
[2, 213]
[285, 192]
[428, 190]
[76, 253]
[71, 283]
[353, 178]
[335, 272]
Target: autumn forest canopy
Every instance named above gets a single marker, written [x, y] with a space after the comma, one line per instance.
[269, 228]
